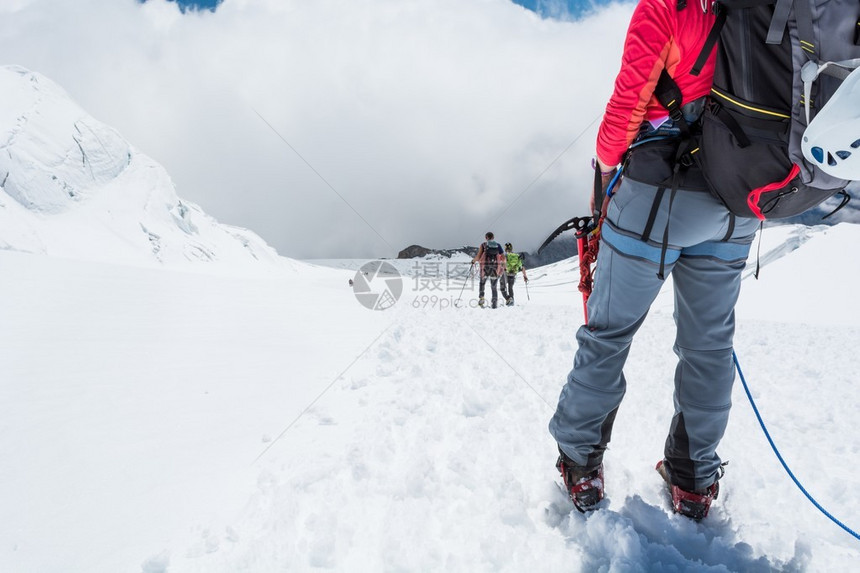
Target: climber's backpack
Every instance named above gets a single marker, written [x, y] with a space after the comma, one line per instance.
[749, 149]
[492, 251]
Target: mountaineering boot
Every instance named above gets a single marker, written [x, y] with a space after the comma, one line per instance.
[692, 504]
[585, 487]
[481, 302]
[510, 302]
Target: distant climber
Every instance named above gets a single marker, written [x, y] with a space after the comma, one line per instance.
[491, 261]
[513, 265]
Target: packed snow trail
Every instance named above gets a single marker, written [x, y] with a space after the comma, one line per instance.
[432, 454]
[134, 403]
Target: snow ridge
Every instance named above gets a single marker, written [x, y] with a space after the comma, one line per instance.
[73, 187]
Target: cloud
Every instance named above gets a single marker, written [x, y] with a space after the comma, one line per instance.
[384, 122]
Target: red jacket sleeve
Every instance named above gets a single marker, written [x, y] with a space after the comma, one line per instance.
[645, 50]
[659, 36]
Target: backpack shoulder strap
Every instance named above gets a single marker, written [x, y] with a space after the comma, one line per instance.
[669, 95]
[710, 41]
[805, 29]
[780, 18]
[721, 9]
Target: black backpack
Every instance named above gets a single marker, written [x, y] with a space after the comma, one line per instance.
[492, 250]
[749, 148]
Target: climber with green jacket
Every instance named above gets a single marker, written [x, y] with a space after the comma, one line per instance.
[513, 265]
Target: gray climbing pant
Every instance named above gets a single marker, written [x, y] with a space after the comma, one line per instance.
[704, 249]
[492, 274]
[506, 285]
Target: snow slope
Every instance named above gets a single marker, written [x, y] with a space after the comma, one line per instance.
[71, 186]
[157, 420]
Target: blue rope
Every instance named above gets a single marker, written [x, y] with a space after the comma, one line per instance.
[779, 456]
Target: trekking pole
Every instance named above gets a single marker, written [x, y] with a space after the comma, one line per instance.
[527, 289]
[468, 276]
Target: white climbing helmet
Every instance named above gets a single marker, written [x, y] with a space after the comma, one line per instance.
[832, 139]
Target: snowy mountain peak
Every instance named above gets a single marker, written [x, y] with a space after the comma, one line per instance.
[55, 154]
[72, 186]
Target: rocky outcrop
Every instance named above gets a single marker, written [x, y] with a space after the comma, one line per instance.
[417, 251]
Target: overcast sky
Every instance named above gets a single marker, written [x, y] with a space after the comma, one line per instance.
[343, 128]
